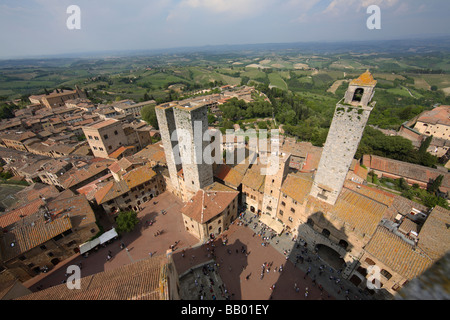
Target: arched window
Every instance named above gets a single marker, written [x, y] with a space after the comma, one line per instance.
[310, 222]
[343, 244]
[370, 262]
[326, 233]
[358, 95]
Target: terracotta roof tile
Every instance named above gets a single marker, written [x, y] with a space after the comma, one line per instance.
[358, 211]
[439, 115]
[434, 236]
[397, 254]
[30, 232]
[15, 215]
[406, 170]
[296, 187]
[142, 280]
[254, 179]
[139, 176]
[229, 175]
[366, 79]
[205, 205]
[381, 196]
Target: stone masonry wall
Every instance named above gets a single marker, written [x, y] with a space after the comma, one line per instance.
[166, 122]
[340, 147]
[197, 173]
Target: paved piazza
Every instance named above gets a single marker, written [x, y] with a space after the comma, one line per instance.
[236, 273]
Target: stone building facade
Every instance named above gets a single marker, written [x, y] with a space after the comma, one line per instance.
[210, 211]
[104, 137]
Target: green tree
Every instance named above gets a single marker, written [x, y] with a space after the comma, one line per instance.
[435, 185]
[148, 114]
[126, 221]
[211, 119]
[425, 145]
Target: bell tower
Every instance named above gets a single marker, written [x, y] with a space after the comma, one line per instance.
[346, 130]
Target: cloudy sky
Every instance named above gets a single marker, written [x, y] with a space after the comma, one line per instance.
[39, 27]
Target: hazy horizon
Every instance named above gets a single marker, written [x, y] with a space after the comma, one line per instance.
[38, 28]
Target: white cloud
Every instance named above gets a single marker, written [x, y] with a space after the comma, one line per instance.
[232, 9]
[339, 7]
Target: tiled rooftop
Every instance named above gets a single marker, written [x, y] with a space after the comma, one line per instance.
[142, 280]
[296, 187]
[205, 205]
[397, 254]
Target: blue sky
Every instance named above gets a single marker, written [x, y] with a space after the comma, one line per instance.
[38, 27]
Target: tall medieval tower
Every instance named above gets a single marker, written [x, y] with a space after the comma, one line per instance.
[347, 128]
[193, 120]
[273, 183]
[179, 126]
[167, 128]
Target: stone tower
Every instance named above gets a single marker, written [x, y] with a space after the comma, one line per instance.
[272, 186]
[193, 121]
[182, 128]
[167, 128]
[347, 128]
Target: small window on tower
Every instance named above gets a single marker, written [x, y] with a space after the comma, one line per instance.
[358, 94]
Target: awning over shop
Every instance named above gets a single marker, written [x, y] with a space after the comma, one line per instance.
[85, 247]
[111, 234]
[274, 224]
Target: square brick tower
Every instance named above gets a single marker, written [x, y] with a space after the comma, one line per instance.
[347, 128]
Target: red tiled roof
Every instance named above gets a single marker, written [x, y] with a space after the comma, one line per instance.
[397, 254]
[406, 170]
[103, 124]
[139, 176]
[143, 280]
[31, 232]
[358, 211]
[205, 205]
[434, 237]
[296, 187]
[115, 154]
[439, 115]
[230, 175]
[9, 218]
